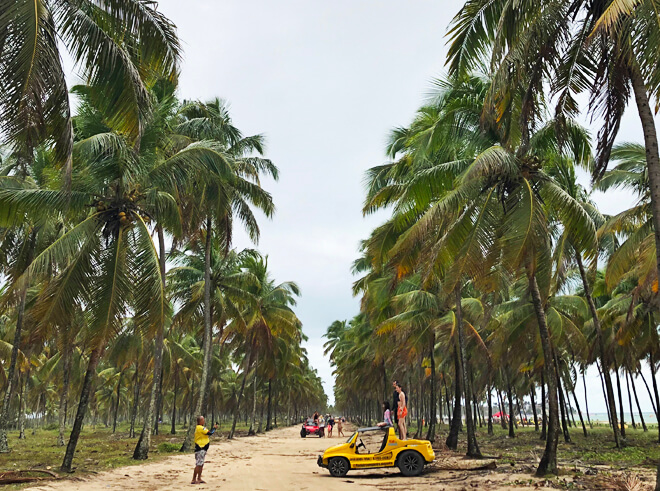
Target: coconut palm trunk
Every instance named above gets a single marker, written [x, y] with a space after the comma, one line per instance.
[609, 389]
[512, 416]
[206, 367]
[648, 390]
[651, 145]
[562, 403]
[240, 396]
[159, 398]
[577, 406]
[503, 419]
[639, 409]
[544, 426]
[253, 419]
[21, 406]
[618, 389]
[652, 164]
[94, 358]
[473, 446]
[176, 389]
[490, 409]
[447, 401]
[632, 413]
[136, 398]
[61, 413]
[455, 427]
[141, 451]
[114, 419]
[430, 434]
[268, 414]
[549, 460]
[586, 400]
[11, 372]
[655, 389]
[533, 399]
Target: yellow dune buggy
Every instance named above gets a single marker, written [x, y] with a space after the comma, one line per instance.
[377, 447]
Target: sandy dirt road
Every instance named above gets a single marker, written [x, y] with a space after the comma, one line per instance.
[280, 460]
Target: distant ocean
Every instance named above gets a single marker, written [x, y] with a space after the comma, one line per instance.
[649, 417]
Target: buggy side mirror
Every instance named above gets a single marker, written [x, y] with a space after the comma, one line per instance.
[352, 445]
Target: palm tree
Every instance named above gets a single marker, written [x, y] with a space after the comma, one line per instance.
[268, 319]
[634, 259]
[121, 46]
[229, 284]
[107, 261]
[21, 239]
[563, 172]
[180, 358]
[604, 48]
[216, 205]
[493, 209]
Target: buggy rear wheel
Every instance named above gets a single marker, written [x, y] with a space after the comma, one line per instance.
[411, 463]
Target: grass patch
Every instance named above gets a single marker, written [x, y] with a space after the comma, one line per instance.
[98, 449]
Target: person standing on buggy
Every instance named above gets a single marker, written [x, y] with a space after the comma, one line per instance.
[395, 405]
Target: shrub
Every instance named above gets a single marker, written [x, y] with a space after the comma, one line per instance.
[167, 447]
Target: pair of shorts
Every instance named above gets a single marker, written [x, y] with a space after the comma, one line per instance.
[200, 455]
[402, 412]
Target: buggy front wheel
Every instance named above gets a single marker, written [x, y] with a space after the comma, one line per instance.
[338, 466]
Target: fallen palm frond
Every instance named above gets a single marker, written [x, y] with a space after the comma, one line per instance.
[24, 476]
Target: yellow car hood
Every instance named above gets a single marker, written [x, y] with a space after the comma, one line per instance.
[341, 448]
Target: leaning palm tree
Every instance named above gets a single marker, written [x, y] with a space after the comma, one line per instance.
[491, 205]
[507, 202]
[607, 48]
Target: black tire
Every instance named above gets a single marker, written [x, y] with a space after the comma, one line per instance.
[338, 466]
[411, 463]
[303, 433]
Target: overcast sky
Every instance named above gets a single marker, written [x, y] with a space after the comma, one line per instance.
[325, 82]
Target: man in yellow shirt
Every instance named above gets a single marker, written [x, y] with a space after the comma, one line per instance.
[201, 446]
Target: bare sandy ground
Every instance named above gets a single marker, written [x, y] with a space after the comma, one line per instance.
[280, 460]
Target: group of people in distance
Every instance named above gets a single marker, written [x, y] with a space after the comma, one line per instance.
[330, 422]
[390, 417]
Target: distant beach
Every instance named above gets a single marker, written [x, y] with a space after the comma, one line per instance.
[649, 417]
